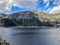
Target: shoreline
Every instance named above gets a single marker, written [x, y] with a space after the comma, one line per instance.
[27, 27]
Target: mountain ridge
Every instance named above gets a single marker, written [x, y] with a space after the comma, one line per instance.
[29, 18]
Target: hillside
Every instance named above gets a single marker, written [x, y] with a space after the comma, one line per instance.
[26, 18]
[29, 18]
[47, 17]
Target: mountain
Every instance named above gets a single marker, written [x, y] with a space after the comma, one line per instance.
[29, 18]
[26, 18]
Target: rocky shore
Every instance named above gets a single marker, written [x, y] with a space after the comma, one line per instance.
[3, 42]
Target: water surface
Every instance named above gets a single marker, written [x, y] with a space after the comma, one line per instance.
[15, 36]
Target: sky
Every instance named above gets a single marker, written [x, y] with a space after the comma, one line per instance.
[47, 6]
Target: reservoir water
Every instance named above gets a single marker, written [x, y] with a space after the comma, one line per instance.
[46, 36]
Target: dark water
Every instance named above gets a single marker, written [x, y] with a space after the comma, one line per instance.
[48, 36]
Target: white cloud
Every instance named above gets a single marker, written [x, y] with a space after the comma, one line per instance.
[47, 5]
[55, 10]
[45, 1]
[5, 5]
[25, 3]
[49, 10]
[56, 2]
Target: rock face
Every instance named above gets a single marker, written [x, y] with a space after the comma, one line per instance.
[8, 22]
[26, 18]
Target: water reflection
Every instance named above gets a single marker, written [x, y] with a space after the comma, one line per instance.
[31, 36]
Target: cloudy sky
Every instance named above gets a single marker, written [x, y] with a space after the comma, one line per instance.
[12, 6]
